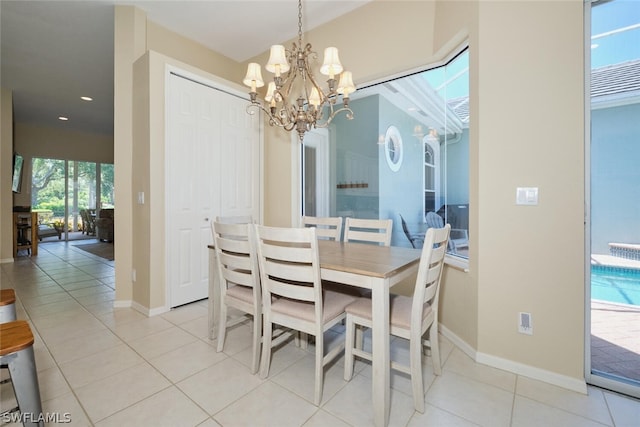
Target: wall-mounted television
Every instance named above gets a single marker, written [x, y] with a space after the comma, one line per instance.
[17, 173]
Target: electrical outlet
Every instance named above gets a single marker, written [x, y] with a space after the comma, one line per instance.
[133, 275]
[525, 323]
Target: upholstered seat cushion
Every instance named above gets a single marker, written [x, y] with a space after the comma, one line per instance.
[242, 293]
[333, 305]
[399, 306]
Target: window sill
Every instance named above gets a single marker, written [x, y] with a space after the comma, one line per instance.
[457, 262]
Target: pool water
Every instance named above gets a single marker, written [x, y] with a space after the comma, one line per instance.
[618, 285]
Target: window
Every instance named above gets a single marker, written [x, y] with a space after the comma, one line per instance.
[406, 152]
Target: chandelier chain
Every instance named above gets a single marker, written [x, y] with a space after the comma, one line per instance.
[300, 23]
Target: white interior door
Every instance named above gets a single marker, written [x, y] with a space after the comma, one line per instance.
[192, 153]
[212, 168]
[239, 160]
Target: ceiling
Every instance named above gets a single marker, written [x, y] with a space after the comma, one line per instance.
[54, 52]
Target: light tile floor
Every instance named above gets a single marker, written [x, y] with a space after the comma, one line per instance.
[115, 367]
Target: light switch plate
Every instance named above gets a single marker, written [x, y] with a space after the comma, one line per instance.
[527, 196]
[141, 197]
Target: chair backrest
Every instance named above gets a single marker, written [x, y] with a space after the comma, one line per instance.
[427, 289]
[434, 220]
[326, 227]
[237, 257]
[405, 229]
[368, 230]
[289, 264]
[238, 219]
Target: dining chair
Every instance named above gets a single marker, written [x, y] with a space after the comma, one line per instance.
[293, 297]
[329, 228]
[410, 317]
[235, 219]
[239, 281]
[368, 230]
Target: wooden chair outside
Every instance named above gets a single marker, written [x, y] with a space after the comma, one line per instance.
[293, 297]
[239, 281]
[326, 227]
[410, 317]
[368, 230]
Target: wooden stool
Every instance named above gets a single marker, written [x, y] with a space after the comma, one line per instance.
[7, 305]
[16, 352]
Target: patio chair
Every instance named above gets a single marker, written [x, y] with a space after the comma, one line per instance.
[416, 239]
[459, 238]
[88, 222]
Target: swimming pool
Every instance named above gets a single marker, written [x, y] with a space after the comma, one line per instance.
[614, 284]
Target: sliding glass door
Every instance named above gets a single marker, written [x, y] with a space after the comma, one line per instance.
[68, 195]
[613, 343]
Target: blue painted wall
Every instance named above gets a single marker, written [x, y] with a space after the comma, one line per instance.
[615, 177]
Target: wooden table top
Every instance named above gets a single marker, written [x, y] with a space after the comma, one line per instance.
[366, 259]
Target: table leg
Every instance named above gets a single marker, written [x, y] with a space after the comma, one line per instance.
[381, 365]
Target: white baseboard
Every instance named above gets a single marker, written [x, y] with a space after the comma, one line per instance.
[6, 260]
[569, 383]
[457, 341]
[139, 307]
[146, 311]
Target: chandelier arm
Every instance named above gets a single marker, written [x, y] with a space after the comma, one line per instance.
[274, 120]
[349, 116]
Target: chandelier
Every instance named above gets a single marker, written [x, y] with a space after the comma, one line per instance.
[293, 78]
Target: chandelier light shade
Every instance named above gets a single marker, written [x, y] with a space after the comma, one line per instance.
[294, 99]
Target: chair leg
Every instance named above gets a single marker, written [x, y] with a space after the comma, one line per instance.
[222, 327]
[359, 331]
[319, 367]
[257, 336]
[348, 348]
[24, 376]
[266, 347]
[415, 361]
[435, 348]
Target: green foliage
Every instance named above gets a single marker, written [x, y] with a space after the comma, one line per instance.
[48, 184]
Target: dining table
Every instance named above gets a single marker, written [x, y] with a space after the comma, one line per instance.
[366, 266]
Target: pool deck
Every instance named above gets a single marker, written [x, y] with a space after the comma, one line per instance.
[615, 328]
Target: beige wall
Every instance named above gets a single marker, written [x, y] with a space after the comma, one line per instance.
[527, 129]
[130, 29]
[6, 172]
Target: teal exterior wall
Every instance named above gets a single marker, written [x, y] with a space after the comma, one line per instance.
[615, 177]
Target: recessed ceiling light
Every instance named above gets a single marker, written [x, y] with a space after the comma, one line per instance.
[86, 98]
[63, 118]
